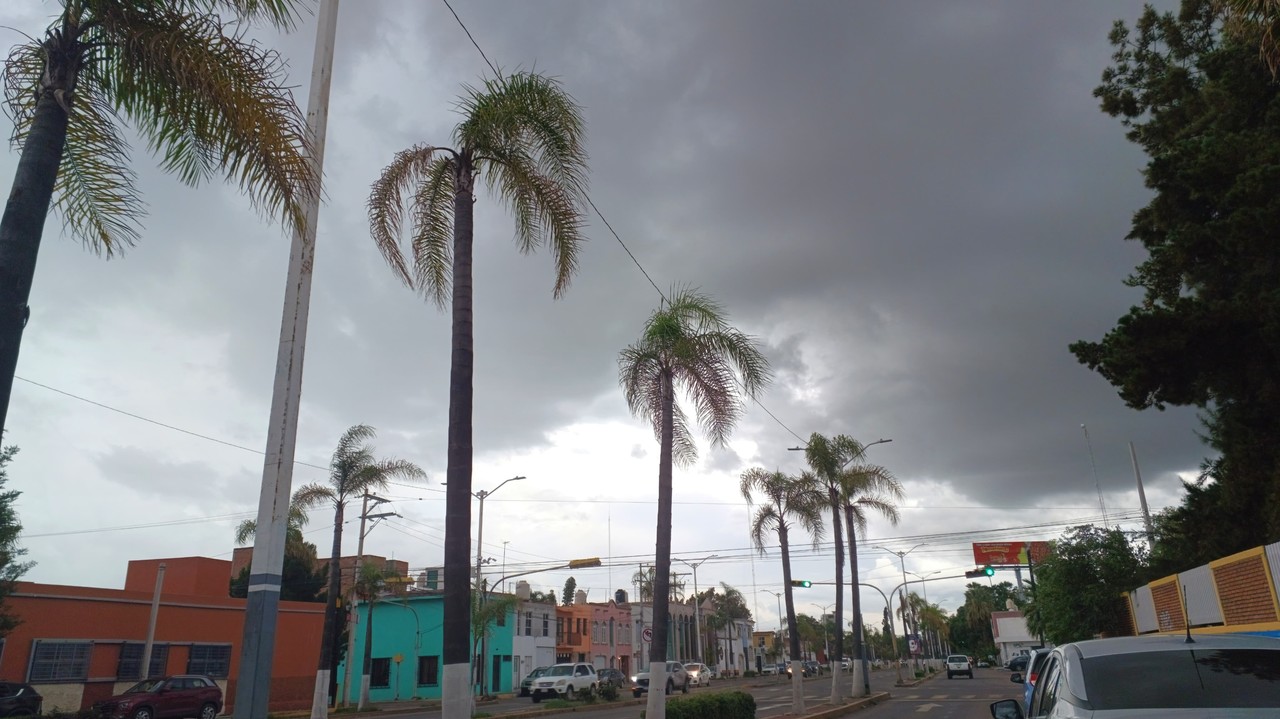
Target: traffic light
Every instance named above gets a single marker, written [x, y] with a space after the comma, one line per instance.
[801, 583]
[987, 571]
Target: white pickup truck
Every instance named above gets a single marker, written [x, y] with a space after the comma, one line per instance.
[959, 664]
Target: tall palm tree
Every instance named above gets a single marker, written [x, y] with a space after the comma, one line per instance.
[934, 619]
[731, 608]
[1261, 17]
[206, 98]
[687, 347]
[864, 487]
[788, 502]
[354, 470]
[524, 134]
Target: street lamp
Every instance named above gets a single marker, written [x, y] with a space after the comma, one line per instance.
[779, 597]
[826, 645]
[481, 495]
[864, 447]
[902, 557]
[924, 586]
[697, 605]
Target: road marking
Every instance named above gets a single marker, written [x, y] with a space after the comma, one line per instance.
[926, 707]
[940, 696]
[970, 696]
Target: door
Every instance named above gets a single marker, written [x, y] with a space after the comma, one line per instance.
[495, 681]
[178, 699]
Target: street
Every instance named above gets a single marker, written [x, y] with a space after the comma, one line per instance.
[938, 698]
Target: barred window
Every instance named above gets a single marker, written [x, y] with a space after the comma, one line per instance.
[211, 660]
[53, 661]
[428, 671]
[131, 660]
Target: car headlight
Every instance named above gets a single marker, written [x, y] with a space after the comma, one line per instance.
[124, 705]
[633, 679]
[560, 682]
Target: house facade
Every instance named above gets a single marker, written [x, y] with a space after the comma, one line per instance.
[79, 645]
[533, 642]
[573, 631]
[1011, 635]
[681, 635]
[408, 644]
[611, 636]
[735, 650]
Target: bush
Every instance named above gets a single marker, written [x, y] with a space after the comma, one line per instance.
[558, 704]
[609, 693]
[721, 705]
[587, 698]
[748, 674]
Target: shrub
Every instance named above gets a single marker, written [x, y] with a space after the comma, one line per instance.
[721, 705]
[558, 704]
[609, 693]
[748, 674]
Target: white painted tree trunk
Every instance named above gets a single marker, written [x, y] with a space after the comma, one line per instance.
[836, 695]
[797, 687]
[364, 692]
[456, 685]
[320, 698]
[656, 707]
[858, 686]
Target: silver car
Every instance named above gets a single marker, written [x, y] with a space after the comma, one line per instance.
[1225, 676]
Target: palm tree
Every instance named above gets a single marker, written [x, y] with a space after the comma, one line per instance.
[486, 610]
[864, 487]
[934, 620]
[524, 133]
[1262, 18]
[300, 581]
[788, 502]
[206, 98]
[354, 470]
[687, 347]
[644, 578]
[370, 583]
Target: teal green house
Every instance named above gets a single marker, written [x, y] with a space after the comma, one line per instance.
[407, 647]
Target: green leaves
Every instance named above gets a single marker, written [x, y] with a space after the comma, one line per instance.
[1079, 587]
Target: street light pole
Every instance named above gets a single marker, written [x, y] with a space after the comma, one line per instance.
[351, 615]
[779, 597]
[697, 605]
[481, 495]
[826, 645]
[924, 586]
[902, 557]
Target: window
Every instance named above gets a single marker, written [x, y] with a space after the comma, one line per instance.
[1193, 679]
[1045, 694]
[131, 660]
[53, 661]
[380, 672]
[428, 671]
[528, 624]
[545, 632]
[211, 660]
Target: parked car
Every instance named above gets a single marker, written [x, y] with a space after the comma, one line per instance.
[700, 674]
[846, 664]
[1018, 663]
[527, 683]
[1219, 675]
[564, 680]
[958, 664]
[677, 678]
[612, 677]
[1035, 662]
[185, 696]
[769, 669]
[19, 700]
[983, 664]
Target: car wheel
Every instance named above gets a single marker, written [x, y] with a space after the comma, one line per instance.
[536, 697]
[685, 690]
[949, 676]
[670, 686]
[143, 713]
[209, 711]
[568, 694]
[636, 693]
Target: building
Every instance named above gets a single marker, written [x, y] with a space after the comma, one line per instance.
[681, 635]
[768, 648]
[611, 636]
[79, 645]
[242, 557]
[533, 643]
[1011, 635]
[735, 650]
[573, 630]
[1237, 593]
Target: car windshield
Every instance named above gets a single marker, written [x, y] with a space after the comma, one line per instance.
[537, 672]
[1194, 679]
[145, 687]
[560, 671]
[957, 658]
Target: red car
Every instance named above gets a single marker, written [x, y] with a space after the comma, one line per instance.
[186, 696]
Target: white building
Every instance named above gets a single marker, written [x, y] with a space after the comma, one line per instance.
[1011, 635]
[533, 643]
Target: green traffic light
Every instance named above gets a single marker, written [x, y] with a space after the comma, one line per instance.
[801, 583]
[989, 570]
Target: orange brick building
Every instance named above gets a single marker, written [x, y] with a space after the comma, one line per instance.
[78, 645]
[1238, 593]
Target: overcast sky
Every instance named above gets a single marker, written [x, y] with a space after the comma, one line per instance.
[915, 207]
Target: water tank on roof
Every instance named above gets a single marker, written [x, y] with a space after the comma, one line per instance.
[522, 590]
[620, 596]
[579, 597]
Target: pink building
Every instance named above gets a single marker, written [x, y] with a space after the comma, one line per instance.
[611, 636]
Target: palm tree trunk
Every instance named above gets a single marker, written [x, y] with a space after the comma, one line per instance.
[860, 687]
[797, 674]
[368, 658]
[457, 523]
[656, 704]
[836, 656]
[320, 699]
[21, 229]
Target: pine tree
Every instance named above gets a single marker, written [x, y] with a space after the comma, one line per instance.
[10, 568]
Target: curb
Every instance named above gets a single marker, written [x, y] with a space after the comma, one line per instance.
[853, 706]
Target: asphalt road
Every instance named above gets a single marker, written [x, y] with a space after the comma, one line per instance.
[943, 698]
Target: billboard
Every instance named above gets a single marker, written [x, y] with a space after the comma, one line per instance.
[1005, 553]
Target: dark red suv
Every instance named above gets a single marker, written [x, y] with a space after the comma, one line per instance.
[187, 696]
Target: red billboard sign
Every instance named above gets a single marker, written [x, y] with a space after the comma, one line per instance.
[1008, 553]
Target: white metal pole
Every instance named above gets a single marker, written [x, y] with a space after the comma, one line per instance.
[144, 670]
[253, 680]
[1142, 499]
[1096, 482]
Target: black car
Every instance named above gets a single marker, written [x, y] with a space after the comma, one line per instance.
[19, 700]
[613, 677]
[1018, 663]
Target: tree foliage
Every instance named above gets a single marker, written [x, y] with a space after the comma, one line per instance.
[1079, 587]
[11, 570]
[1206, 334]
[302, 578]
[970, 627]
[570, 585]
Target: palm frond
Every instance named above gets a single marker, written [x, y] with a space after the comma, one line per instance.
[22, 71]
[95, 192]
[312, 495]
[422, 171]
[282, 14]
[1261, 18]
[352, 443]
[209, 100]
[245, 530]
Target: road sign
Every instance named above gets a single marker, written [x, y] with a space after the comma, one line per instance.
[646, 634]
[1007, 553]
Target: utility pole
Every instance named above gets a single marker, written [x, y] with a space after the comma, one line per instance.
[351, 614]
[697, 605]
[253, 680]
[144, 671]
[1096, 482]
[1142, 499]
